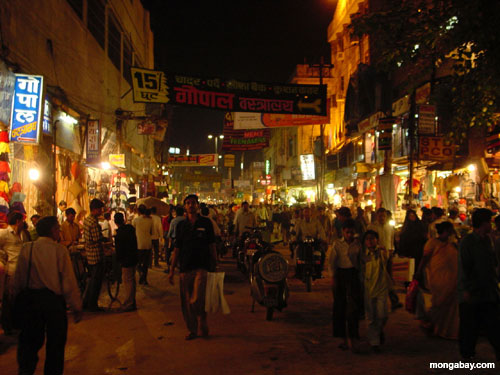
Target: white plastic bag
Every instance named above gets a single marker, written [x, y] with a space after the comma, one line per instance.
[214, 297]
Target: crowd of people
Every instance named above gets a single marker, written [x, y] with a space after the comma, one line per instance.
[456, 264]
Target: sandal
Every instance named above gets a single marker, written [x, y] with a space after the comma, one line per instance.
[191, 336]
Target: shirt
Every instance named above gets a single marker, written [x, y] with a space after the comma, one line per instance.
[476, 269]
[126, 246]
[93, 235]
[173, 226]
[143, 230]
[157, 228]
[193, 242]
[70, 233]
[377, 279]
[311, 228]
[51, 268]
[345, 255]
[385, 235]
[11, 244]
[243, 220]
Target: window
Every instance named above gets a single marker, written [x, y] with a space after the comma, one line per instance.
[127, 60]
[114, 42]
[96, 15]
[77, 6]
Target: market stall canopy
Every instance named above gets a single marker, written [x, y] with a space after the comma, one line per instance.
[162, 208]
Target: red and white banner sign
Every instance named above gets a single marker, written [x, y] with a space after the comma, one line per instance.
[200, 160]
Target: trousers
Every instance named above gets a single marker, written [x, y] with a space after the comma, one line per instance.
[377, 312]
[193, 285]
[346, 303]
[471, 316]
[143, 265]
[46, 319]
[93, 290]
[128, 277]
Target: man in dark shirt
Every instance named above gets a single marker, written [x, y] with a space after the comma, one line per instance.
[478, 286]
[194, 252]
[127, 255]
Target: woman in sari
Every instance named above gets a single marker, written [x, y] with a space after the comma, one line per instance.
[440, 262]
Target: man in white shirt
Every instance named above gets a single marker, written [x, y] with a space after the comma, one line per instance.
[345, 264]
[244, 218]
[52, 285]
[156, 236]
[143, 225]
[10, 247]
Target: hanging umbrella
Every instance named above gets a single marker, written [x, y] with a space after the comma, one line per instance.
[162, 208]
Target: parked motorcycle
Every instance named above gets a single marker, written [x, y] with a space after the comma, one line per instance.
[225, 244]
[268, 284]
[309, 261]
[249, 244]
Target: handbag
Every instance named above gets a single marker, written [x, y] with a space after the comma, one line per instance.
[23, 300]
[411, 297]
[214, 295]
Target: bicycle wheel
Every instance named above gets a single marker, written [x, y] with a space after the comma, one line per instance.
[113, 277]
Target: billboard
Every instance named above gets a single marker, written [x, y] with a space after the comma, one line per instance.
[27, 109]
[243, 140]
[307, 167]
[199, 160]
[229, 95]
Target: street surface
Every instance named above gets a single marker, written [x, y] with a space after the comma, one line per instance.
[298, 340]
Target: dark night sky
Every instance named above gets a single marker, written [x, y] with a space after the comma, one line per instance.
[259, 40]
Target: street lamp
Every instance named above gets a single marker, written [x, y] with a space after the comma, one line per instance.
[210, 136]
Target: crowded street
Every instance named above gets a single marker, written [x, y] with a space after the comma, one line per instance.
[249, 187]
[297, 341]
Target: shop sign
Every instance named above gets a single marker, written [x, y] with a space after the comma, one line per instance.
[307, 167]
[93, 141]
[229, 160]
[118, 160]
[436, 148]
[286, 174]
[216, 186]
[364, 125]
[242, 184]
[161, 129]
[47, 118]
[385, 126]
[146, 127]
[426, 119]
[252, 120]
[401, 106]
[423, 93]
[27, 109]
[151, 86]
[243, 140]
[200, 160]
[7, 84]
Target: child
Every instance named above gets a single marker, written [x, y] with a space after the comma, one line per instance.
[377, 284]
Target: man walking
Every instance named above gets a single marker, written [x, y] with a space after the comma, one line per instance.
[156, 236]
[478, 287]
[143, 225]
[195, 252]
[10, 244]
[127, 256]
[45, 268]
[95, 256]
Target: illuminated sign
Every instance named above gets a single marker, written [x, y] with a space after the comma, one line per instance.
[27, 109]
[93, 141]
[307, 167]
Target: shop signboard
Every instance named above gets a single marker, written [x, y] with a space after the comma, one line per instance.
[161, 129]
[436, 148]
[7, 83]
[243, 140]
[195, 160]
[93, 141]
[27, 109]
[426, 119]
[385, 126]
[47, 118]
[423, 93]
[118, 160]
[253, 120]
[229, 160]
[307, 167]
[146, 127]
[151, 86]
[401, 106]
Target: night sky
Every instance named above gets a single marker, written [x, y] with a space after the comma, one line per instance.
[259, 40]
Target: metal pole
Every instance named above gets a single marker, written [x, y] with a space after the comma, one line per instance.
[412, 144]
[322, 147]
